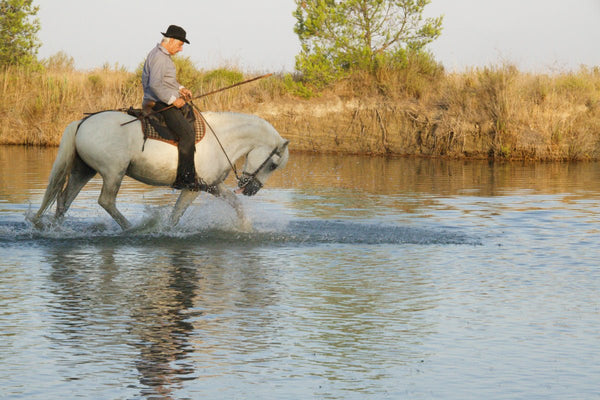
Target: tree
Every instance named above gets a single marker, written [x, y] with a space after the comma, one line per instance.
[18, 32]
[340, 35]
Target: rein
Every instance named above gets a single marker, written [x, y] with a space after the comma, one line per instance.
[232, 165]
[246, 177]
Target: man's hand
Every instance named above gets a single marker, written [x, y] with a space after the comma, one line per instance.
[179, 102]
[186, 94]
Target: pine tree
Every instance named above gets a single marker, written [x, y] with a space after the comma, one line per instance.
[341, 35]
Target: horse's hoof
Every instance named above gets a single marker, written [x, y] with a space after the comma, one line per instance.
[150, 225]
[38, 222]
[246, 225]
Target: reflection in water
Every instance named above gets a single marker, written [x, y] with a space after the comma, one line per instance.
[160, 326]
[179, 310]
[110, 302]
[24, 171]
[176, 315]
[439, 177]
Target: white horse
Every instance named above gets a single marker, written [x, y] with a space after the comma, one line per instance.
[101, 144]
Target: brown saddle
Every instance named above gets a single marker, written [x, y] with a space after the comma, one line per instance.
[155, 127]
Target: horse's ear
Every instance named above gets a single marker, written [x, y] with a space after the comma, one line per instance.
[284, 145]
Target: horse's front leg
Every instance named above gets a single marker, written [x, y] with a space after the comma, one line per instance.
[186, 197]
[231, 198]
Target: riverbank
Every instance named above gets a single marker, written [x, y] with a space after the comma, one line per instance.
[496, 112]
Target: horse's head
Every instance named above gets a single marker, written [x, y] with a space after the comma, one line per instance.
[260, 164]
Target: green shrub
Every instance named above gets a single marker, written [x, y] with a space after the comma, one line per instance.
[296, 87]
[187, 73]
[318, 69]
[222, 77]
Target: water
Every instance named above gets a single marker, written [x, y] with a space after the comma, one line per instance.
[362, 278]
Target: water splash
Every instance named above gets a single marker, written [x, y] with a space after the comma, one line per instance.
[153, 229]
[215, 223]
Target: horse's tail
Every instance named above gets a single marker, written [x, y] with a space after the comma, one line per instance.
[60, 169]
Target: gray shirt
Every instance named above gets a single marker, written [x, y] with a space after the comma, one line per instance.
[159, 77]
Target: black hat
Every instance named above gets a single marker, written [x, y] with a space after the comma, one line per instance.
[175, 32]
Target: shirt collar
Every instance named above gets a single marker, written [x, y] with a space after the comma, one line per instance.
[161, 48]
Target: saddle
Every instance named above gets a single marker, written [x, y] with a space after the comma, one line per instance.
[155, 127]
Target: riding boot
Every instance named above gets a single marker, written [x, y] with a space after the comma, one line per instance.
[186, 172]
[186, 146]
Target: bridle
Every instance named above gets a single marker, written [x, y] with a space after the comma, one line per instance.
[247, 182]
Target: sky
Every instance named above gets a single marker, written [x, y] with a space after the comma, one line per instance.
[258, 36]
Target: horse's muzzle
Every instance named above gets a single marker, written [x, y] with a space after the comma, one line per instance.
[249, 185]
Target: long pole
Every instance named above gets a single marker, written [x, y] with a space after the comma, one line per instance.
[207, 94]
[232, 86]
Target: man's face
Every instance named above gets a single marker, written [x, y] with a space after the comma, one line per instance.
[173, 46]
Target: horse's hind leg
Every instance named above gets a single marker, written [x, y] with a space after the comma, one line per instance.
[80, 175]
[108, 198]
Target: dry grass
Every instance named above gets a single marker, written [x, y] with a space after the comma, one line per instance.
[36, 106]
[509, 114]
[497, 112]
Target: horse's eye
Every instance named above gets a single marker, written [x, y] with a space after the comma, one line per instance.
[273, 166]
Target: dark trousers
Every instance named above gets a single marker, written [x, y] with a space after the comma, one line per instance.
[186, 138]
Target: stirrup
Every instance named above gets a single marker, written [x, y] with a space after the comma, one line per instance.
[193, 186]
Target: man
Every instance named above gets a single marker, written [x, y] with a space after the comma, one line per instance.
[162, 90]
